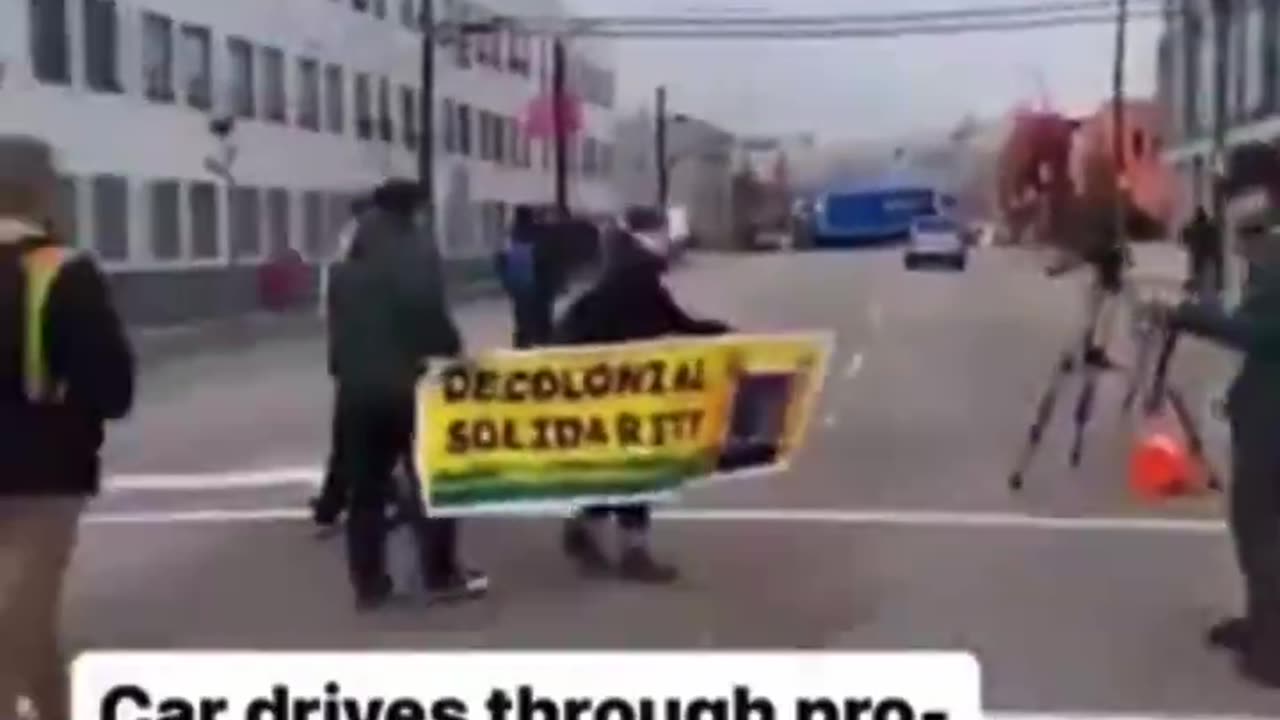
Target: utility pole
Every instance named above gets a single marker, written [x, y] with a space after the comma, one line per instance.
[1119, 133]
[559, 126]
[427, 115]
[660, 145]
[1221, 38]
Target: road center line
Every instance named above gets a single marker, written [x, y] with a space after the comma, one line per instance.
[782, 516]
[854, 367]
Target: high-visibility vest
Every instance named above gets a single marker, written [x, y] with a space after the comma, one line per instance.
[40, 267]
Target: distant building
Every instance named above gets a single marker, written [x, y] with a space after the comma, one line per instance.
[321, 100]
[699, 172]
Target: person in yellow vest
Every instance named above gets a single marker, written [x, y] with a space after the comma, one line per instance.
[65, 368]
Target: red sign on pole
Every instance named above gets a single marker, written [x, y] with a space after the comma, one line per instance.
[540, 116]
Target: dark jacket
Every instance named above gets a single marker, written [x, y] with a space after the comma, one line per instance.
[629, 302]
[1253, 329]
[54, 449]
[387, 309]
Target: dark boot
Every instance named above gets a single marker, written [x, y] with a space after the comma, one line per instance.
[638, 565]
[580, 544]
[1229, 634]
[367, 559]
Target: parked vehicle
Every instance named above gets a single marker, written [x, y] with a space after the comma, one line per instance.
[936, 241]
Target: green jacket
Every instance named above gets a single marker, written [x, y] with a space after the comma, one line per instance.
[387, 309]
[1252, 329]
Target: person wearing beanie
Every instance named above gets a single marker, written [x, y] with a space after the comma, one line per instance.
[389, 315]
[628, 302]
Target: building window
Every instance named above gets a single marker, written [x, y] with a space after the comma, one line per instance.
[308, 94]
[360, 5]
[450, 126]
[246, 222]
[409, 13]
[67, 222]
[335, 99]
[1270, 56]
[279, 236]
[101, 45]
[315, 236]
[157, 57]
[526, 149]
[409, 116]
[50, 51]
[166, 229]
[111, 217]
[462, 49]
[242, 86]
[275, 95]
[380, 9]
[386, 130]
[464, 130]
[364, 102]
[202, 198]
[197, 66]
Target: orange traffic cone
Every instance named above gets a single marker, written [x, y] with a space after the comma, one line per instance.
[1161, 467]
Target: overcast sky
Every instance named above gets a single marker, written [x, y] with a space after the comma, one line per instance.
[864, 88]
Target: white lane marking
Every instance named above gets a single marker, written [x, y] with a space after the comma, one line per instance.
[855, 366]
[196, 482]
[892, 518]
[875, 314]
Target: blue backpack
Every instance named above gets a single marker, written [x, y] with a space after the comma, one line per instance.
[520, 267]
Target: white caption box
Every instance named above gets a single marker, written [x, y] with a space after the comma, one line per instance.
[526, 686]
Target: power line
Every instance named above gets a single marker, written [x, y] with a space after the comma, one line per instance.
[825, 19]
[851, 31]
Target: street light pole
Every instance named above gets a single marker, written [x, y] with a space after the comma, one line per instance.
[1221, 37]
[560, 127]
[660, 145]
[1119, 133]
[427, 115]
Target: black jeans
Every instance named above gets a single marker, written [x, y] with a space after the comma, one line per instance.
[533, 320]
[377, 437]
[1255, 525]
[333, 493]
[629, 517]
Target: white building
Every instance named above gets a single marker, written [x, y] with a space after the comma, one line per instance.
[699, 172]
[325, 97]
[1188, 90]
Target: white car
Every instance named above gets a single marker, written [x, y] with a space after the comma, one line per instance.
[936, 241]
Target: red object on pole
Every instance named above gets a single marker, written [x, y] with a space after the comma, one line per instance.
[540, 115]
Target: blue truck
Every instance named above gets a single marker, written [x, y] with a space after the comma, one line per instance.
[859, 216]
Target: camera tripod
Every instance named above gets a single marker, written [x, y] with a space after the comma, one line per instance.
[1082, 354]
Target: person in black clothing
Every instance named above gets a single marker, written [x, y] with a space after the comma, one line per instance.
[526, 271]
[66, 368]
[1204, 249]
[326, 508]
[389, 315]
[628, 302]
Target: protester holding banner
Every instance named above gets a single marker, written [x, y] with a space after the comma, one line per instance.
[523, 271]
[388, 316]
[628, 302]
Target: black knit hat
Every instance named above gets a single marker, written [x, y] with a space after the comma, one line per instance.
[399, 196]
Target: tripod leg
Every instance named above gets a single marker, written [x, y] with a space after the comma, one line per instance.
[1044, 412]
[1195, 441]
[1084, 412]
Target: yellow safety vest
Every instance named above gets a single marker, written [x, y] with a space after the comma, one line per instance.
[41, 267]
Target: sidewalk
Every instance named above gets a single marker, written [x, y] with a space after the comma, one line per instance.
[155, 346]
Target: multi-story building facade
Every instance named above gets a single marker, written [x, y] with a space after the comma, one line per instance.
[1188, 88]
[200, 139]
[699, 157]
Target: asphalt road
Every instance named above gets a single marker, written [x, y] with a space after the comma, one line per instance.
[894, 530]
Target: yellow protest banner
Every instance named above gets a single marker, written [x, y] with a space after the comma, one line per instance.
[611, 423]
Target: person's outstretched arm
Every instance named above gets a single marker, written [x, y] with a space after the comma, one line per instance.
[1249, 333]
